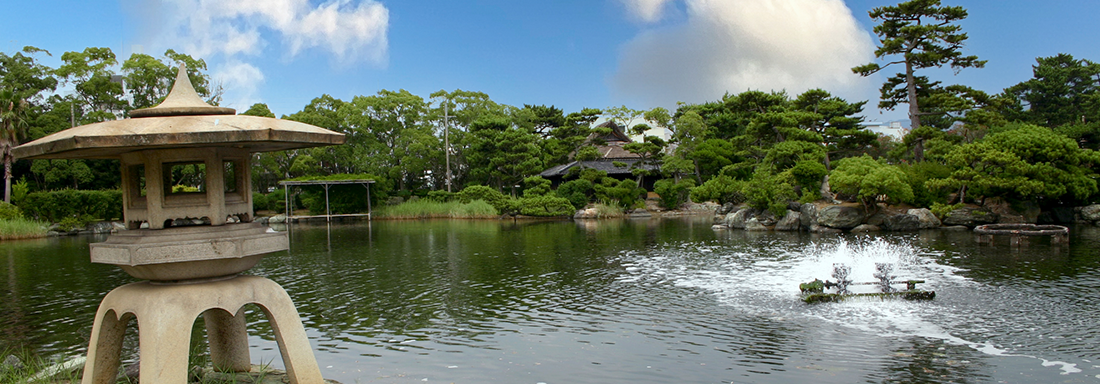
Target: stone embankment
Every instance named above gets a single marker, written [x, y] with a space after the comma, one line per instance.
[851, 217]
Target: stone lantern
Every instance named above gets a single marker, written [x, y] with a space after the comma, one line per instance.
[188, 239]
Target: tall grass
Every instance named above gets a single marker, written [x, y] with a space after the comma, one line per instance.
[605, 210]
[11, 229]
[31, 369]
[426, 209]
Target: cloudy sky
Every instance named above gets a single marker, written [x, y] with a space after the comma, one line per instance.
[568, 53]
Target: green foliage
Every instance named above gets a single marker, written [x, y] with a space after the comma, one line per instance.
[919, 34]
[426, 208]
[626, 193]
[579, 192]
[440, 196]
[536, 186]
[54, 206]
[673, 194]
[503, 204]
[1023, 162]
[867, 178]
[940, 209]
[21, 228]
[770, 191]
[808, 174]
[721, 189]
[19, 191]
[345, 198]
[68, 224]
[1063, 91]
[545, 206]
[919, 174]
[10, 211]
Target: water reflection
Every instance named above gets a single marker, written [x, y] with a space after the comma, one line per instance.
[650, 301]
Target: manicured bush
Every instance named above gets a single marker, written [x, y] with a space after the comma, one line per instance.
[440, 196]
[673, 194]
[720, 189]
[53, 206]
[498, 200]
[626, 192]
[579, 192]
[545, 206]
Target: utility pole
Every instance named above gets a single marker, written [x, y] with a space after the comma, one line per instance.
[447, 141]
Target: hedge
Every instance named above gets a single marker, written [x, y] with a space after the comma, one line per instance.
[53, 206]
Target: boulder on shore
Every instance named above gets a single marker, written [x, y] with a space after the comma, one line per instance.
[791, 222]
[863, 228]
[902, 222]
[754, 225]
[970, 217]
[926, 218]
[840, 217]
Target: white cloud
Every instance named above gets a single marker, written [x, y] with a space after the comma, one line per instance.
[646, 10]
[230, 34]
[349, 31]
[735, 46]
[241, 82]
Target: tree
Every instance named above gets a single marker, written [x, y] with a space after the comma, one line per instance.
[1064, 90]
[867, 178]
[22, 82]
[835, 121]
[1064, 94]
[1022, 162]
[149, 79]
[500, 153]
[924, 35]
[96, 94]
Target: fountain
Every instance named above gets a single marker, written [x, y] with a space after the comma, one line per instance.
[814, 291]
[189, 244]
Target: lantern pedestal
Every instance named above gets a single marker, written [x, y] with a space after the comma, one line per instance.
[165, 314]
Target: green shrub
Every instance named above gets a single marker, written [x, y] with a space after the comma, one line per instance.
[503, 204]
[673, 194]
[940, 209]
[720, 189]
[626, 192]
[579, 192]
[440, 196]
[9, 211]
[70, 223]
[53, 206]
[545, 206]
[535, 186]
[260, 202]
[770, 191]
[19, 191]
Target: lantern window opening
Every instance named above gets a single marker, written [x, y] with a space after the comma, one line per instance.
[184, 178]
[230, 175]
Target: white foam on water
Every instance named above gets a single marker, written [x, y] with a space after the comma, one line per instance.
[764, 281]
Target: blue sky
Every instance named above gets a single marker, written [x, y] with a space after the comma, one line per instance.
[572, 54]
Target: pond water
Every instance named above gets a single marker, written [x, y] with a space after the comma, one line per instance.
[650, 301]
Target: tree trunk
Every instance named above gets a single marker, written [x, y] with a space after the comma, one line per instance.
[914, 110]
[7, 174]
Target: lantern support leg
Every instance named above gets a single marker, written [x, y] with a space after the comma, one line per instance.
[166, 313]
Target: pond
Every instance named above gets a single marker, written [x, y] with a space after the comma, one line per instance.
[632, 301]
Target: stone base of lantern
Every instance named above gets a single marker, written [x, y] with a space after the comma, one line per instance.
[165, 315]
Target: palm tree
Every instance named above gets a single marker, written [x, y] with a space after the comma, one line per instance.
[12, 123]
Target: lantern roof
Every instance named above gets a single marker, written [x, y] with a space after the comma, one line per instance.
[183, 120]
